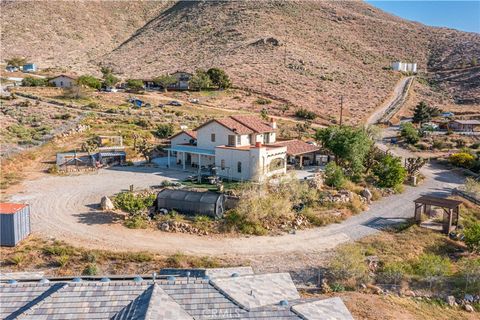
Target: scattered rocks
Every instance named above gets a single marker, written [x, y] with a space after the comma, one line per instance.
[410, 293]
[106, 204]
[181, 227]
[79, 128]
[367, 194]
[342, 196]
[375, 289]
[267, 41]
[468, 298]
[450, 300]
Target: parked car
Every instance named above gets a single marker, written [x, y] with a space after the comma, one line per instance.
[175, 103]
[193, 100]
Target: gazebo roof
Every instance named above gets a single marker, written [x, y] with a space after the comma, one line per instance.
[438, 202]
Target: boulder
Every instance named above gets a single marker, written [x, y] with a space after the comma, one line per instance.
[469, 308]
[367, 194]
[450, 300]
[106, 204]
[468, 298]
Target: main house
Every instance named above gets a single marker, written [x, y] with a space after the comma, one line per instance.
[239, 148]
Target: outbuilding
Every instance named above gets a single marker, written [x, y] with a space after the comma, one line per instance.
[192, 202]
[63, 81]
[14, 223]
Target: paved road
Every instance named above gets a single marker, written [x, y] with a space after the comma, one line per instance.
[64, 208]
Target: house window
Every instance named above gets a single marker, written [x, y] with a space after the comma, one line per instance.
[266, 138]
[249, 139]
[212, 137]
[231, 140]
[239, 167]
[61, 83]
[239, 140]
[222, 164]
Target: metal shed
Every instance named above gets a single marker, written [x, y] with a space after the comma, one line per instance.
[192, 202]
[14, 223]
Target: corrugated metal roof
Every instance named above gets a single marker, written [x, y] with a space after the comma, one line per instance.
[10, 208]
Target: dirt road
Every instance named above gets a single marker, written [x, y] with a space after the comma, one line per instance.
[65, 208]
[392, 105]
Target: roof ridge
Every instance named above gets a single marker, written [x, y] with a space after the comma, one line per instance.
[244, 124]
[27, 309]
[160, 301]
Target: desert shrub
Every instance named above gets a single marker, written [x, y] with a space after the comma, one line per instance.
[393, 272]
[472, 186]
[17, 259]
[430, 266]
[140, 257]
[180, 260]
[34, 82]
[164, 130]
[409, 133]
[54, 169]
[469, 275]
[263, 101]
[389, 172]
[472, 236]
[348, 265]
[90, 257]
[136, 222]
[133, 203]
[62, 116]
[58, 249]
[305, 114]
[63, 260]
[90, 270]
[93, 105]
[334, 176]
[135, 85]
[89, 81]
[462, 159]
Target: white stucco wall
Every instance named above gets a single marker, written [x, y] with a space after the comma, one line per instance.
[182, 138]
[63, 82]
[204, 136]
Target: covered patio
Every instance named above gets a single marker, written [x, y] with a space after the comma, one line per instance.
[189, 156]
[451, 211]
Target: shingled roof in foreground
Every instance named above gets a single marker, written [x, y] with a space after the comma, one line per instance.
[210, 294]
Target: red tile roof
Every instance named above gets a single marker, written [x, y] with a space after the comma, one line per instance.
[9, 208]
[297, 147]
[191, 133]
[257, 124]
[245, 124]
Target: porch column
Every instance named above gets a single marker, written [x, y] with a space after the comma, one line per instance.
[168, 162]
[183, 160]
[199, 163]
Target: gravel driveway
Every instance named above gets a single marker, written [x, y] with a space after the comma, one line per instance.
[65, 208]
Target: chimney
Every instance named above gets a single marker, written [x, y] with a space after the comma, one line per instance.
[258, 144]
[273, 123]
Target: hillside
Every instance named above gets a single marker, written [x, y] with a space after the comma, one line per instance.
[308, 53]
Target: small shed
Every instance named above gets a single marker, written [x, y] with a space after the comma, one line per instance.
[14, 223]
[450, 207]
[192, 202]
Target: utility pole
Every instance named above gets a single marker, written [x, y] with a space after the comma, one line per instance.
[341, 110]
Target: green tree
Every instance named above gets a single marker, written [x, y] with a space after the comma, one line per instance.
[34, 82]
[110, 80]
[424, 113]
[349, 145]
[334, 176]
[472, 237]
[219, 78]
[164, 130]
[89, 81]
[135, 85]
[16, 61]
[409, 133]
[165, 81]
[200, 80]
[305, 114]
[389, 172]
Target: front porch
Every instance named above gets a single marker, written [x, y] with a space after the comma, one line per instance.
[190, 158]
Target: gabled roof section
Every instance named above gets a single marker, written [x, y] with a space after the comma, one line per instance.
[190, 133]
[255, 123]
[473, 121]
[242, 124]
[73, 77]
[332, 308]
[254, 291]
[297, 147]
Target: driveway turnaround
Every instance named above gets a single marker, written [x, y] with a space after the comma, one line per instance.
[66, 208]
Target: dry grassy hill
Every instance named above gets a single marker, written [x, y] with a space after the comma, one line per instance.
[308, 53]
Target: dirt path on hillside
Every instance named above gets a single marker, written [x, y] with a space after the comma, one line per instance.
[391, 105]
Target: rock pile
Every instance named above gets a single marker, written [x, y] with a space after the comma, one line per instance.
[78, 129]
[182, 227]
[342, 196]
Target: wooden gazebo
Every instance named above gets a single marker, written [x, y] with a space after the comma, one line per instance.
[450, 207]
